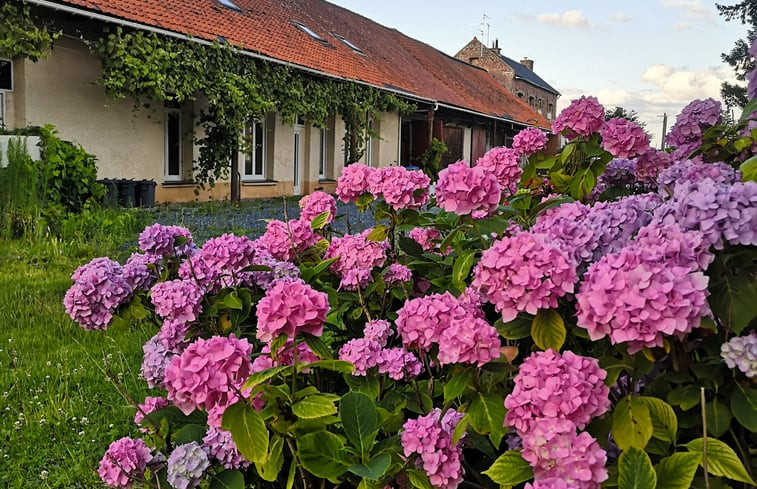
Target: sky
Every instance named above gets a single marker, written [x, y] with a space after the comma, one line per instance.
[651, 56]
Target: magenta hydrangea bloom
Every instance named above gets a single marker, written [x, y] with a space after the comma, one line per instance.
[638, 300]
[671, 244]
[401, 188]
[160, 240]
[557, 386]
[289, 308]
[529, 140]
[208, 375]
[353, 182]
[186, 465]
[614, 223]
[465, 190]
[430, 437]
[568, 227]
[549, 483]
[524, 273]
[398, 363]
[363, 353]
[650, 163]
[100, 287]
[425, 237]
[125, 460]
[378, 330]
[317, 203]
[741, 352]
[140, 270]
[154, 361]
[397, 273]
[694, 171]
[285, 239]
[623, 138]
[357, 256]
[691, 123]
[503, 163]
[150, 405]
[177, 300]
[583, 117]
[219, 446]
[555, 451]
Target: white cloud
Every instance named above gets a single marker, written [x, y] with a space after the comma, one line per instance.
[681, 26]
[620, 17]
[692, 9]
[570, 19]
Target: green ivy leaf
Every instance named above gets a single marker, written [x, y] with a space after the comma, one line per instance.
[744, 406]
[359, 420]
[319, 454]
[548, 329]
[320, 221]
[248, 431]
[487, 416]
[631, 423]
[228, 479]
[677, 471]
[462, 267]
[721, 459]
[635, 470]
[315, 406]
[510, 469]
[374, 469]
[664, 420]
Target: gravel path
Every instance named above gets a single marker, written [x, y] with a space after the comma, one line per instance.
[249, 217]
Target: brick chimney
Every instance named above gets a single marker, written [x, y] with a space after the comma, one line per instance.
[495, 47]
[528, 63]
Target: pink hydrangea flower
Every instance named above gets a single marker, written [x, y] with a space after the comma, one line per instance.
[430, 437]
[357, 257]
[465, 190]
[398, 363]
[691, 123]
[503, 163]
[317, 203]
[289, 308]
[624, 138]
[285, 239]
[378, 330]
[209, 375]
[353, 182]
[529, 140]
[160, 240]
[125, 460]
[100, 287]
[741, 352]
[583, 117]
[650, 163]
[524, 273]
[140, 270]
[555, 451]
[549, 483]
[694, 171]
[670, 244]
[397, 273]
[425, 237]
[155, 360]
[401, 188]
[177, 300]
[219, 446]
[363, 353]
[638, 299]
[150, 405]
[557, 386]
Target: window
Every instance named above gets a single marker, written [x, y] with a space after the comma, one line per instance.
[550, 111]
[348, 43]
[173, 143]
[531, 100]
[230, 4]
[453, 139]
[310, 32]
[6, 75]
[254, 156]
[322, 154]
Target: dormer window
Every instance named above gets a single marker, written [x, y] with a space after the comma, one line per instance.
[230, 4]
[310, 32]
[348, 43]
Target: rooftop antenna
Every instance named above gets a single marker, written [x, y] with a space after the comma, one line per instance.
[481, 31]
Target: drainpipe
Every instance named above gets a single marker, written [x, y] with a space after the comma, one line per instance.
[430, 119]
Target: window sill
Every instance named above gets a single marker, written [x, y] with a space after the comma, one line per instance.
[178, 183]
[259, 183]
[326, 180]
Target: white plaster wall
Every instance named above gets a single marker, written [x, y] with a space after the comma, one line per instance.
[386, 149]
[468, 144]
[32, 147]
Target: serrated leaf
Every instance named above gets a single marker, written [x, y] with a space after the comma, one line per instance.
[744, 406]
[270, 468]
[264, 375]
[462, 267]
[686, 396]
[232, 301]
[677, 471]
[378, 234]
[318, 347]
[359, 420]
[228, 479]
[189, 433]
[722, 461]
[734, 294]
[374, 469]
[548, 330]
[487, 416]
[320, 221]
[315, 406]
[635, 470]
[749, 170]
[248, 431]
[319, 454]
[460, 429]
[410, 247]
[718, 417]
[419, 480]
[333, 365]
[517, 329]
[510, 469]
[456, 384]
[631, 423]
[664, 420]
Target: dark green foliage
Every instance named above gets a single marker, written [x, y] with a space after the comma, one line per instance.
[745, 12]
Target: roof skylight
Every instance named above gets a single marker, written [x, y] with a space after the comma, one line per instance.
[310, 32]
[230, 4]
[348, 43]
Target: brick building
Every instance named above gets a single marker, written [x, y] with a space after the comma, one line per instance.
[518, 77]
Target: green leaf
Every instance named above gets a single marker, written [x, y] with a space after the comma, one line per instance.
[664, 420]
[460, 429]
[721, 459]
[487, 416]
[228, 479]
[364, 201]
[686, 396]
[378, 234]
[189, 433]
[320, 221]
[517, 329]
[510, 469]
[744, 406]
[368, 385]
[749, 169]
[462, 267]
[635, 470]
[318, 346]
[631, 423]
[270, 468]
[718, 417]
[319, 454]
[315, 406]
[749, 109]
[333, 365]
[457, 383]
[264, 375]
[232, 301]
[290, 476]
[411, 247]
[548, 330]
[374, 469]
[419, 479]
[359, 420]
[248, 431]
[677, 471]
[734, 292]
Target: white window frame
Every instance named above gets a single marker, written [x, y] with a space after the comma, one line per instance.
[3, 125]
[168, 177]
[250, 135]
[323, 154]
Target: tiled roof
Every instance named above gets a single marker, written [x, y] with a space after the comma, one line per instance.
[389, 59]
[524, 73]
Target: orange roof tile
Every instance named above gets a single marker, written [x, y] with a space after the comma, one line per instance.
[389, 59]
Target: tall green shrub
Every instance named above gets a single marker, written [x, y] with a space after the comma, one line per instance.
[20, 192]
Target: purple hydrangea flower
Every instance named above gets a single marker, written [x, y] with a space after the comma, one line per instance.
[186, 465]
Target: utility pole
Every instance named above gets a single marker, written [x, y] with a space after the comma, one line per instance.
[664, 129]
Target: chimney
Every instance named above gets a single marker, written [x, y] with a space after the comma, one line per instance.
[495, 47]
[528, 63]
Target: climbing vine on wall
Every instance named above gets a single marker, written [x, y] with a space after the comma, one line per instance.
[21, 33]
[151, 68]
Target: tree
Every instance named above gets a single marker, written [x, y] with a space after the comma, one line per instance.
[619, 111]
[734, 95]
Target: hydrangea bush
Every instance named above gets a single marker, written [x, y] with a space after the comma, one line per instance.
[569, 320]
